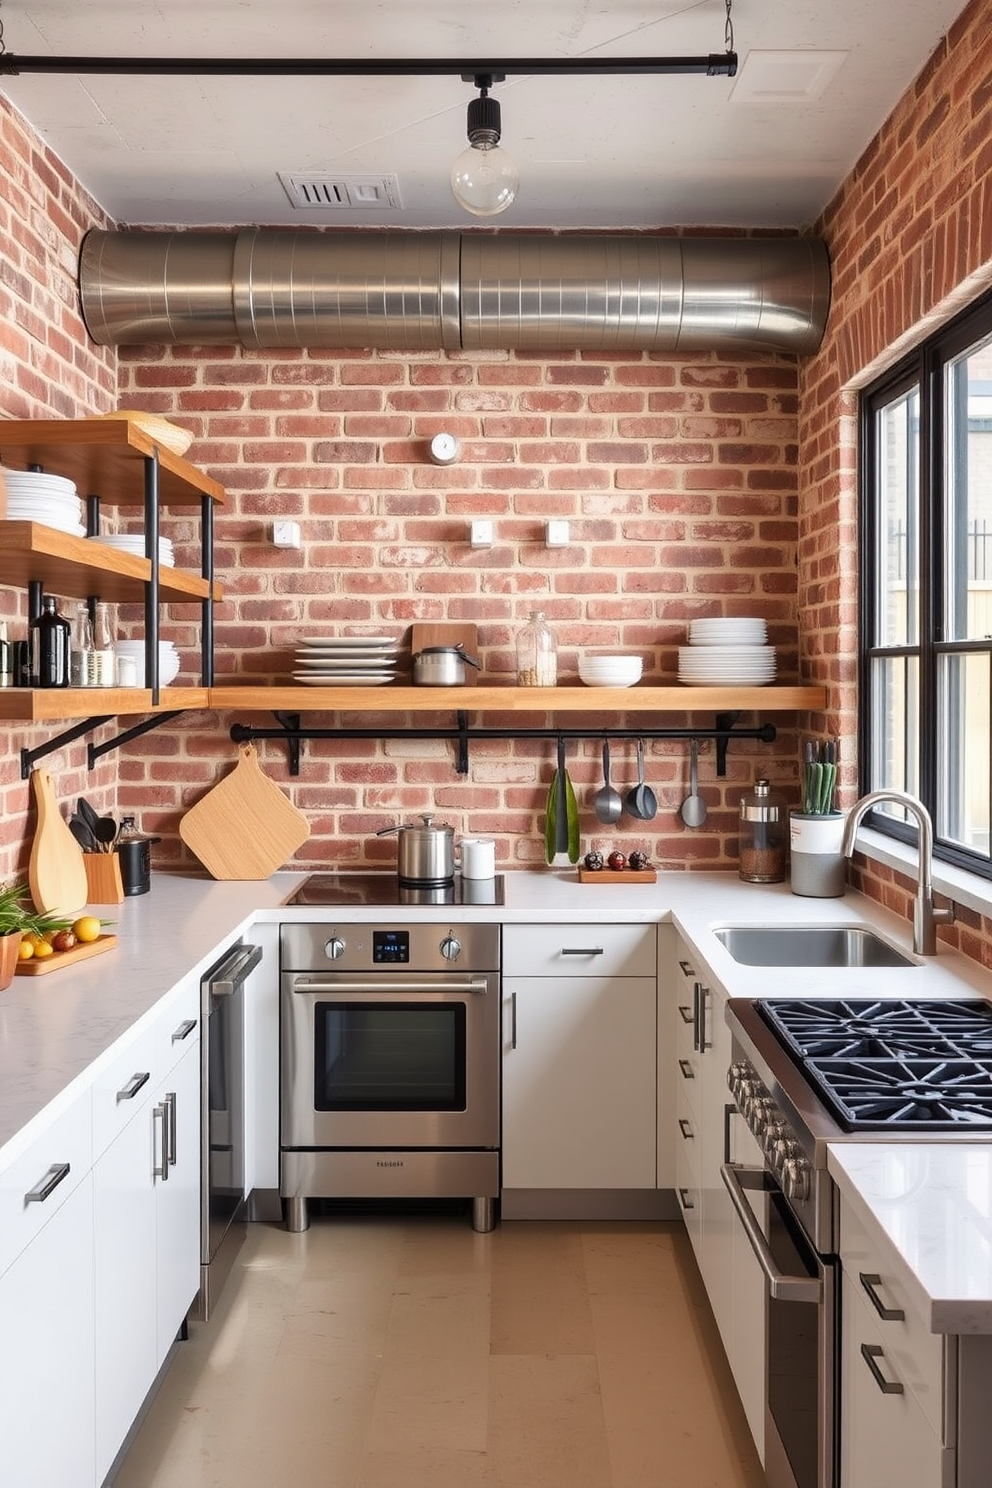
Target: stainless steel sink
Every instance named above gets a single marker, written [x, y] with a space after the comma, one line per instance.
[809, 945]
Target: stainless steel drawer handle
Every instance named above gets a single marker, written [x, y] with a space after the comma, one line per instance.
[171, 1129]
[686, 1013]
[684, 1198]
[686, 1129]
[160, 1141]
[870, 1352]
[582, 951]
[184, 1030]
[870, 1280]
[781, 1286]
[332, 984]
[686, 969]
[513, 1020]
[688, 1073]
[47, 1185]
[130, 1090]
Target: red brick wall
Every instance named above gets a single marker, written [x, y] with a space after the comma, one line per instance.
[910, 237]
[677, 475]
[48, 369]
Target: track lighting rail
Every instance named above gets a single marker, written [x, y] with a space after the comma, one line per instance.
[715, 64]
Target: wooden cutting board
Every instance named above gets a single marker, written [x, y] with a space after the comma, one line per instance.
[79, 952]
[422, 636]
[56, 871]
[244, 828]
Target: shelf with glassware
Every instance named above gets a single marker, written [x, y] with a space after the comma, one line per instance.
[111, 462]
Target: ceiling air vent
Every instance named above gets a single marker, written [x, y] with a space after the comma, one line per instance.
[319, 191]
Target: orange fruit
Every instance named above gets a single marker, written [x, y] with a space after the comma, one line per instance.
[86, 928]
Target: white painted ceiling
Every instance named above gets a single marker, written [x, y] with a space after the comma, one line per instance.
[768, 148]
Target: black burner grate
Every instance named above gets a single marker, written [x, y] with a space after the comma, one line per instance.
[893, 1063]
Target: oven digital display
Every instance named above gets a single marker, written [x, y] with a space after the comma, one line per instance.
[391, 947]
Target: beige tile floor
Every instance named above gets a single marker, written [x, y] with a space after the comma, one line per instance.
[412, 1353]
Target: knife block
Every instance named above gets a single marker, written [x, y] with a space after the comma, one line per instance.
[104, 884]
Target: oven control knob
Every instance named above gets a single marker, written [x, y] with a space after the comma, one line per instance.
[334, 948]
[795, 1178]
[451, 948]
[773, 1135]
[780, 1152]
[737, 1072]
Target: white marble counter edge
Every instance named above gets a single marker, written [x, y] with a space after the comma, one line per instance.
[919, 1200]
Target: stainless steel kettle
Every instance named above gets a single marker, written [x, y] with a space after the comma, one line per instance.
[426, 853]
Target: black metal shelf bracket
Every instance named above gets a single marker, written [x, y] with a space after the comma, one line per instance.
[30, 757]
[293, 735]
[96, 751]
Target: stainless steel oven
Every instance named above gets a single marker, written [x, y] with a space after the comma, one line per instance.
[389, 1064]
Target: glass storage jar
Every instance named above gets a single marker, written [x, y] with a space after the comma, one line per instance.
[537, 653]
[764, 835]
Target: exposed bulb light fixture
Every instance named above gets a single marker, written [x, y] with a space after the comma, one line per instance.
[484, 178]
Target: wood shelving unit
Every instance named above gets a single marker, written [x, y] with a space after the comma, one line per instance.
[103, 457]
[78, 566]
[576, 699]
[60, 704]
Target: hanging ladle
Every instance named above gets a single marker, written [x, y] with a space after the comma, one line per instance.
[608, 804]
[641, 799]
[693, 807]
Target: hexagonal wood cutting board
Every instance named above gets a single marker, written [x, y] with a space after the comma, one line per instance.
[244, 828]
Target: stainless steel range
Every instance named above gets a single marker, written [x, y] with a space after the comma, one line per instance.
[805, 1073]
[389, 1063]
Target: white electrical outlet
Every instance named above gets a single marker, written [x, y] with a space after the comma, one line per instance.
[557, 534]
[481, 533]
[286, 534]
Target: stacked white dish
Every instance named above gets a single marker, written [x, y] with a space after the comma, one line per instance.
[346, 661]
[610, 671]
[34, 496]
[134, 543]
[727, 652]
[168, 660]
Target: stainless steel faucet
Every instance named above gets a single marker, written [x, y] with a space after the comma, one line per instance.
[926, 917]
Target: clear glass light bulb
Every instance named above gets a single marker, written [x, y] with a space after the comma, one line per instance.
[484, 180]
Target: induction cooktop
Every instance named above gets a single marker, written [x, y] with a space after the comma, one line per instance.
[372, 889]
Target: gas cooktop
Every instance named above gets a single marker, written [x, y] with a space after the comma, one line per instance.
[881, 1064]
[367, 890]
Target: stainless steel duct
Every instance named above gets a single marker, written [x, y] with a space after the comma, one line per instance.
[268, 288]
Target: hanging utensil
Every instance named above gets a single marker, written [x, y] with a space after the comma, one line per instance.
[641, 800]
[608, 804]
[693, 807]
[561, 830]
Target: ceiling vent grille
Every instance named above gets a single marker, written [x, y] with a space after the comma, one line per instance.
[320, 191]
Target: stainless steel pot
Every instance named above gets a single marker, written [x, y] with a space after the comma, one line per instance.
[426, 853]
[442, 666]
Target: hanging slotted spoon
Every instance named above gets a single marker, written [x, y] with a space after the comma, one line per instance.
[608, 803]
[693, 807]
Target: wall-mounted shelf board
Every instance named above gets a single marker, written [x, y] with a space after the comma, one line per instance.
[77, 567]
[577, 699]
[104, 457]
[55, 704]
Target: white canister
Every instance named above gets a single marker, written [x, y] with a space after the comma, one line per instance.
[478, 857]
[818, 868]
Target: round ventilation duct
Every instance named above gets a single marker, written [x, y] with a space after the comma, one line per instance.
[268, 288]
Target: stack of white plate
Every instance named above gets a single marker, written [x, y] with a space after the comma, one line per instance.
[610, 671]
[168, 660]
[346, 661]
[727, 652]
[33, 496]
[134, 542]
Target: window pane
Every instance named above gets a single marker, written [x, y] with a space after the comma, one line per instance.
[963, 751]
[897, 572]
[895, 709]
[967, 542]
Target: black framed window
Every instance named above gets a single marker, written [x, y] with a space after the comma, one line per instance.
[926, 588]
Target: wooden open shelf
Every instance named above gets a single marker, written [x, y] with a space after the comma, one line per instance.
[396, 698]
[78, 567]
[105, 458]
[54, 704]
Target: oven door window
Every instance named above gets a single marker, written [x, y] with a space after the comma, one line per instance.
[389, 1056]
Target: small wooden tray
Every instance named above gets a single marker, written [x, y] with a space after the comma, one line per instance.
[618, 875]
[79, 952]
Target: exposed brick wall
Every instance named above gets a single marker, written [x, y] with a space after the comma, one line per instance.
[48, 369]
[910, 237]
[676, 473]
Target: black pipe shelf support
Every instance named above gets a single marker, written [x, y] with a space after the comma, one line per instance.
[96, 751]
[293, 735]
[30, 757]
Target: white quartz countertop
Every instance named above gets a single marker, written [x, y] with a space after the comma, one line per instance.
[932, 1202]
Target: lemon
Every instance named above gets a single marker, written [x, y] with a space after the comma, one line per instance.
[25, 950]
[43, 949]
[87, 928]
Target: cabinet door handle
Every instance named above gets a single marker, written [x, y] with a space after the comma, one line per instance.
[684, 1198]
[184, 1030]
[688, 1073]
[160, 1141]
[47, 1185]
[696, 1040]
[729, 1111]
[687, 1016]
[513, 1020]
[581, 951]
[685, 1129]
[870, 1352]
[870, 1280]
[686, 969]
[171, 1128]
[130, 1090]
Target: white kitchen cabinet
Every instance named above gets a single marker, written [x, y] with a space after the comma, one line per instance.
[47, 1310]
[146, 1230]
[579, 1057]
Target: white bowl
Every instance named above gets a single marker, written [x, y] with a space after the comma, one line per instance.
[168, 660]
[610, 671]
